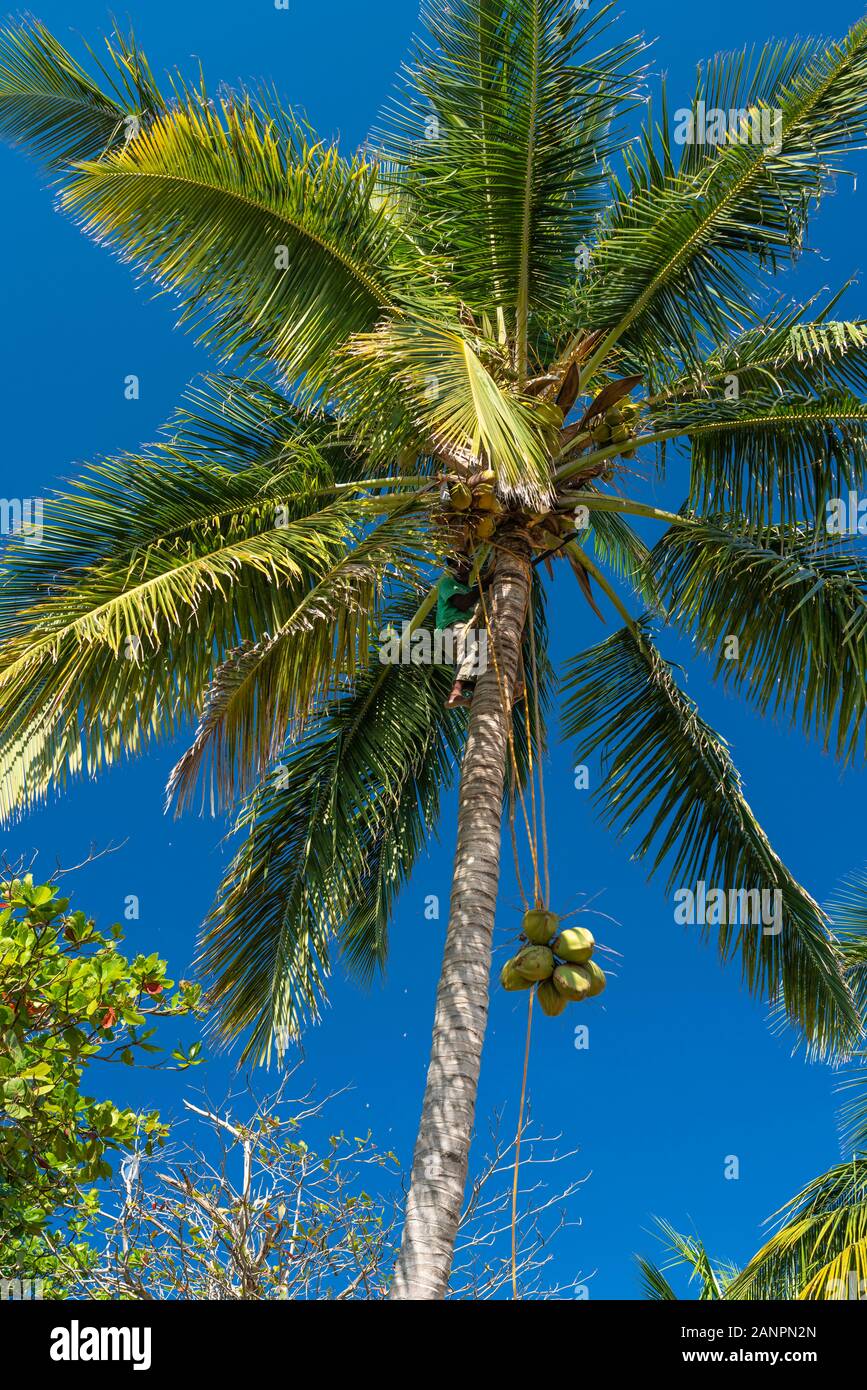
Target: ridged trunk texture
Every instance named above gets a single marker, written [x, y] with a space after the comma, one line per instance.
[439, 1170]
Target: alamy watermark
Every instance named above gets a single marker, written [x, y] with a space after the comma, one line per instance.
[22, 516]
[846, 516]
[713, 907]
[20, 1289]
[464, 647]
[754, 125]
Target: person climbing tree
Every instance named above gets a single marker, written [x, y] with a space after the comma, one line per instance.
[457, 598]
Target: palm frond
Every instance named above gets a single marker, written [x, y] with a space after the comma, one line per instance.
[688, 1252]
[654, 1284]
[820, 1249]
[797, 606]
[464, 408]
[524, 711]
[264, 687]
[662, 760]
[771, 458]
[277, 246]
[330, 836]
[668, 269]
[618, 546]
[102, 655]
[498, 138]
[785, 355]
[848, 913]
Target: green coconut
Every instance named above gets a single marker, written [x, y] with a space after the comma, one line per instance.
[572, 981]
[485, 527]
[539, 925]
[620, 434]
[596, 977]
[511, 977]
[485, 498]
[460, 497]
[600, 434]
[551, 1001]
[574, 945]
[535, 962]
[613, 416]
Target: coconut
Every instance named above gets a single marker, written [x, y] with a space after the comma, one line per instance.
[613, 416]
[485, 498]
[535, 962]
[620, 434]
[572, 981]
[551, 1001]
[460, 497]
[485, 527]
[511, 978]
[600, 434]
[596, 977]
[575, 945]
[539, 925]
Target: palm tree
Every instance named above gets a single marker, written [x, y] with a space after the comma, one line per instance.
[464, 302]
[819, 1249]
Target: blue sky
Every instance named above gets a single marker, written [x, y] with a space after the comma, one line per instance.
[682, 1069]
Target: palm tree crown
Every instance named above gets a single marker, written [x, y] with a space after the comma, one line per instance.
[487, 288]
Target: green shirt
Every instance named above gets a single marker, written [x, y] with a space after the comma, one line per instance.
[447, 613]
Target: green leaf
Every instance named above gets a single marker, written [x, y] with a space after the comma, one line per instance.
[662, 761]
[277, 245]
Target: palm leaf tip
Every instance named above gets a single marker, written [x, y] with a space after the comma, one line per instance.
[50, 106]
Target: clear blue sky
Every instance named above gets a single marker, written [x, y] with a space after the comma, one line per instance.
[682, 1069]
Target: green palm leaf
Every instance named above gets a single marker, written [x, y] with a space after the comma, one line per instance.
[263, 687]
[688, 1252]
[500, 132]
[797, 606]
[769, 457]
[467, 411]
[277, 246]
[820, 1250]
[330, 836]
[120, 650]
[50, 106]
[663, 760]
[785, 354]
[669, 265]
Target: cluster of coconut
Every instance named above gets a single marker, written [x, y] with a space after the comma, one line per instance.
[471, 506]
[561, 969]
[617, 426]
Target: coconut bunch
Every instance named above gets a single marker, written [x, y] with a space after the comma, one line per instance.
[471, 507]
[557, 962]
[618, 425]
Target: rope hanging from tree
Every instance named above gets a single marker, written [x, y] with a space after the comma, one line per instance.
[556, 962]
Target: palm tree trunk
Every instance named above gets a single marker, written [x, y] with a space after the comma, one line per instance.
[439, 1168]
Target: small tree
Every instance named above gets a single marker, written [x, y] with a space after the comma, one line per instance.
[272, 1206]
[68, 998]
